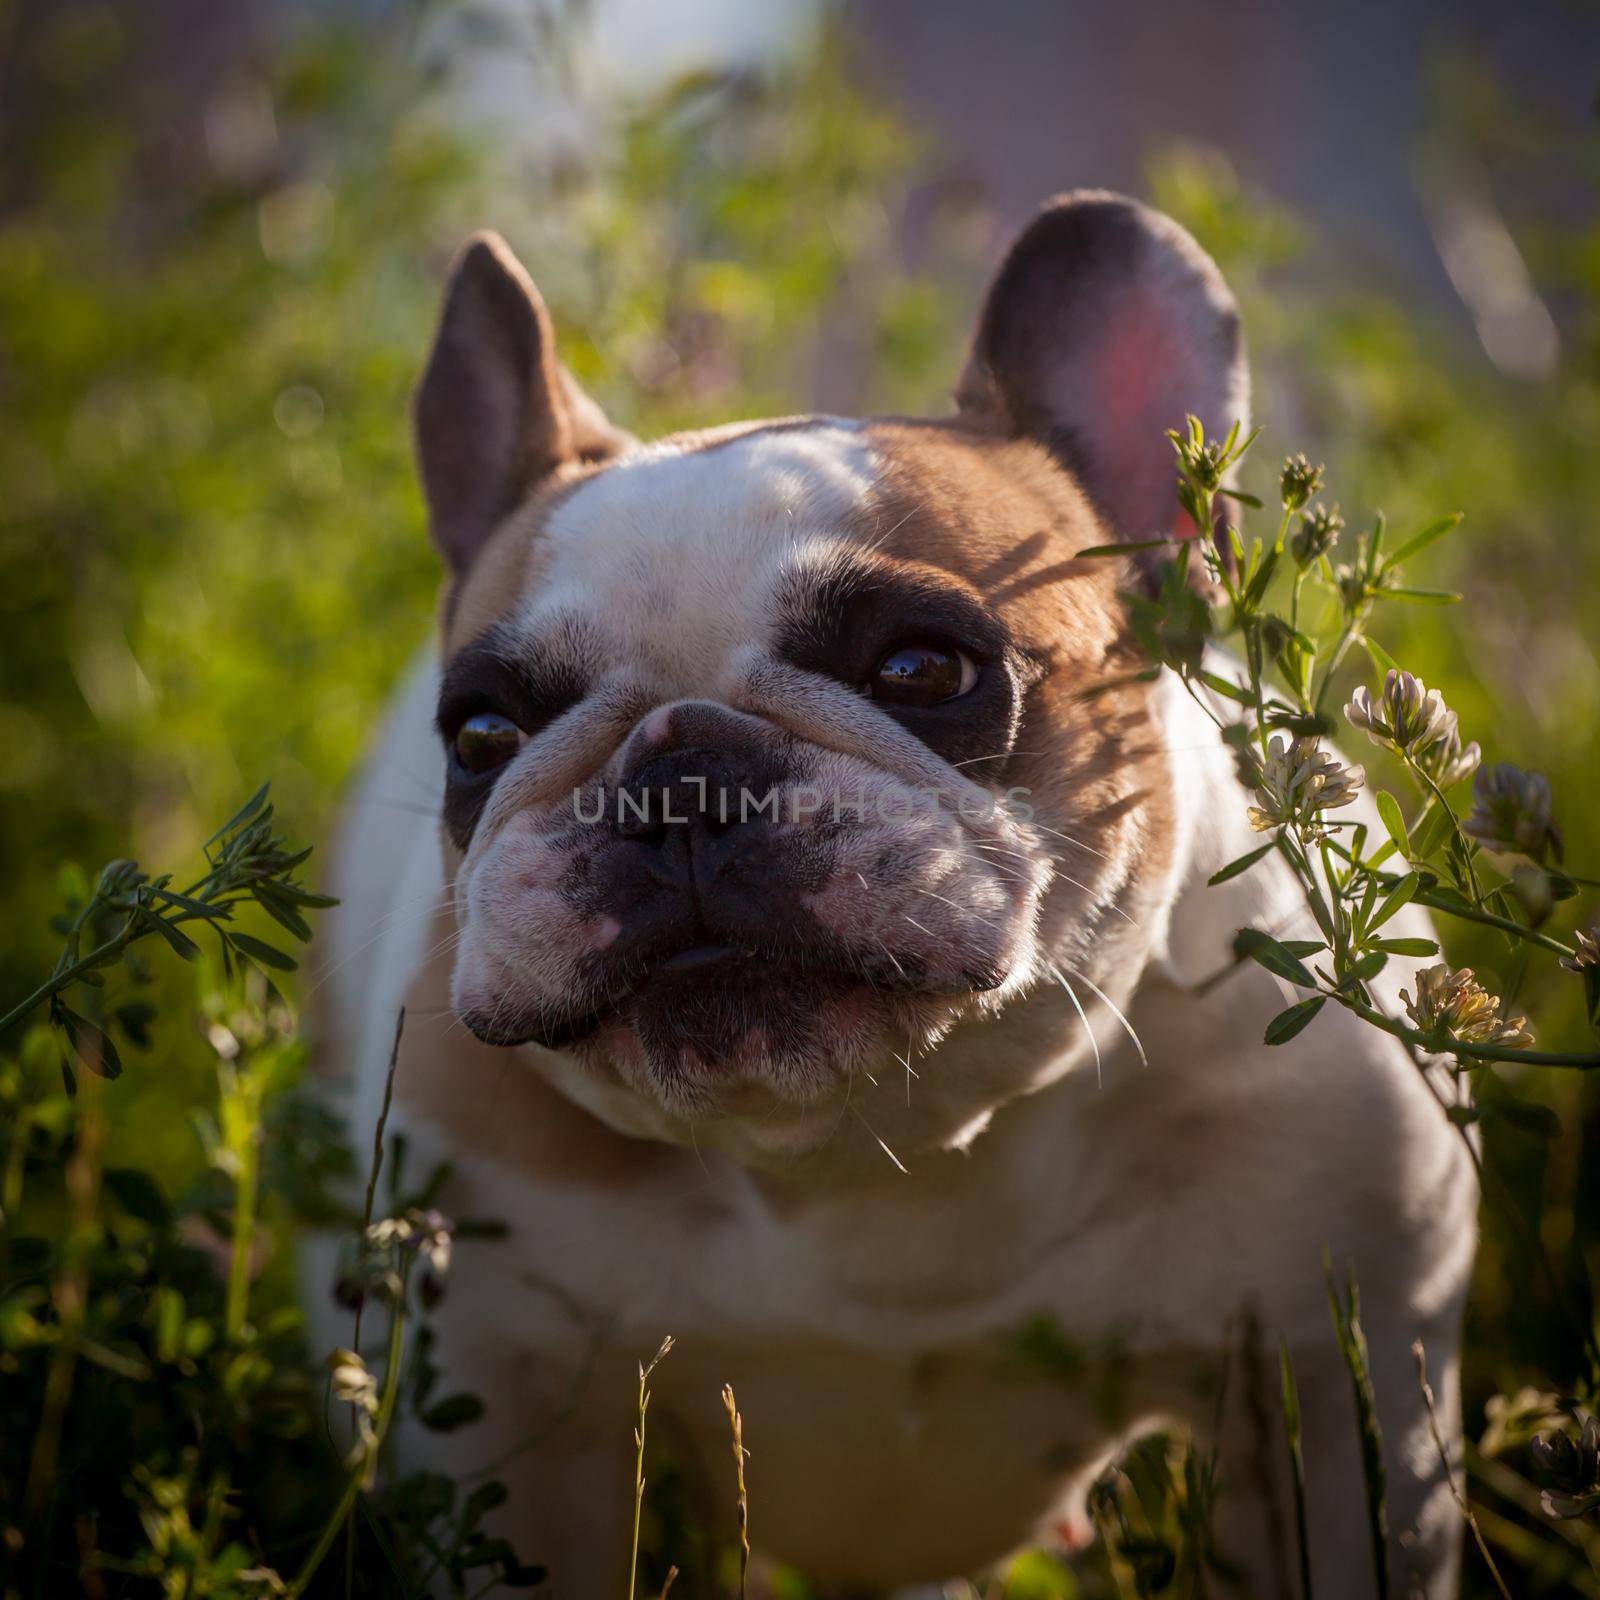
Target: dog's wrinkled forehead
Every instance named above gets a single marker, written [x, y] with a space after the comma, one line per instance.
[681, 547]
[1105, 326]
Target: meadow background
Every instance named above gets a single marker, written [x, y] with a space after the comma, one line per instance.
[220, 255]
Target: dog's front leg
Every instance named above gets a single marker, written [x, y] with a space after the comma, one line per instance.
[1254, 1527]
[558, 1435]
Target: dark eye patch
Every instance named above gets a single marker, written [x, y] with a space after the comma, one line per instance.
[530, 683]
[841, 623]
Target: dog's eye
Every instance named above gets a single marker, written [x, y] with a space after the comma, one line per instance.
[922, 675]
[487, 741]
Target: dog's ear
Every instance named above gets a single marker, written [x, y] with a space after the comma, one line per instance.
[496, 412]
[1105, 326]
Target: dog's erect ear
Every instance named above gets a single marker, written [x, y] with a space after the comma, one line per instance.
[1105, 326]
[496, 412]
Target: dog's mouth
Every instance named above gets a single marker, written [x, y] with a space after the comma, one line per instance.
[711, 1003]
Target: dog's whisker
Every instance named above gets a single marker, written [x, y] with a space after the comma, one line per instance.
[384, 924]
[1115, 1010]
[1076, 843]
[1083, 1017]
[878, 1137]
[1098, 898]
[999, 755]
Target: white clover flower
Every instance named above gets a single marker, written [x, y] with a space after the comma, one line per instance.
[1587, 956]
[1298, 782]
[1406, 715]
[1446, 760]
[1511, 811]
[352, 1383]
[1458, 1003]
[358, 1388]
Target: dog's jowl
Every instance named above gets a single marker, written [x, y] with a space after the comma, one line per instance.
[806, 950]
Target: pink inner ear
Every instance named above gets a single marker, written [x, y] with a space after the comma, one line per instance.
[1105, 327]
[1138, 364]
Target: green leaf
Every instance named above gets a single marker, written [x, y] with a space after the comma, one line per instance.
[1407, 947]
[1373, 544]
[1266, 951]
[1381, 854]
[1431, 832]
[1287, 1024]
[1365, 970]
[1381, 658]
[138, 1194]
[1528, 1116]
[242, 815]
[1244, 499]
[1124, 549]
[179, 941]
[1394, 822]
[1429, 535]
[296, 895]
[91, 1045]
[195, 908]
[1421, 597]
[456, 1411]
[1263, 576]
[1241, 864]
[1229, 691]
[282, 912]
[1303, 947]
[135, 1016]
[259, 950]
[1397, 897]
[485, 1498]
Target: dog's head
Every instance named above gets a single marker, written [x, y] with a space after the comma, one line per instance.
[775, 752]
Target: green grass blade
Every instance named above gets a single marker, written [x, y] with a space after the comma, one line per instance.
[1353, 1347]
[1297, 1464]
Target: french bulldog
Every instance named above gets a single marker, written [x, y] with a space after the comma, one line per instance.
[799, 902]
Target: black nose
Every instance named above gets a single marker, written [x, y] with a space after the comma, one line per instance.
[695, 796]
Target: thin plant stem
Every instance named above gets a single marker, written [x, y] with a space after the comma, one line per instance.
[638, 1460]
[736, 1424]
[358, 1473]
[1420, 1357]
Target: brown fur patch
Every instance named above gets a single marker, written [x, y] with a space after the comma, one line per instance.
[1000, 515]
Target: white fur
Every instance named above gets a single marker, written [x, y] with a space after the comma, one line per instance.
[672, 547]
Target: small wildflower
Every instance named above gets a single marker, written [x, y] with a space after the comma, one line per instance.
[358, 1388]
[352, 1383]
[1298, 482]
[1446, 760]
[1351, 582]
[1586, 958]
[1406, 715]
[1317, 534]
[1456, 1004]
[1533, 888]
[1511, 812]
[1572, 1470]
[1512, 1420]
[1297, 782]
[387, 1248]
[1202, 461]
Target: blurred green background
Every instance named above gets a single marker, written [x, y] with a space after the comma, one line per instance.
[222, 234]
